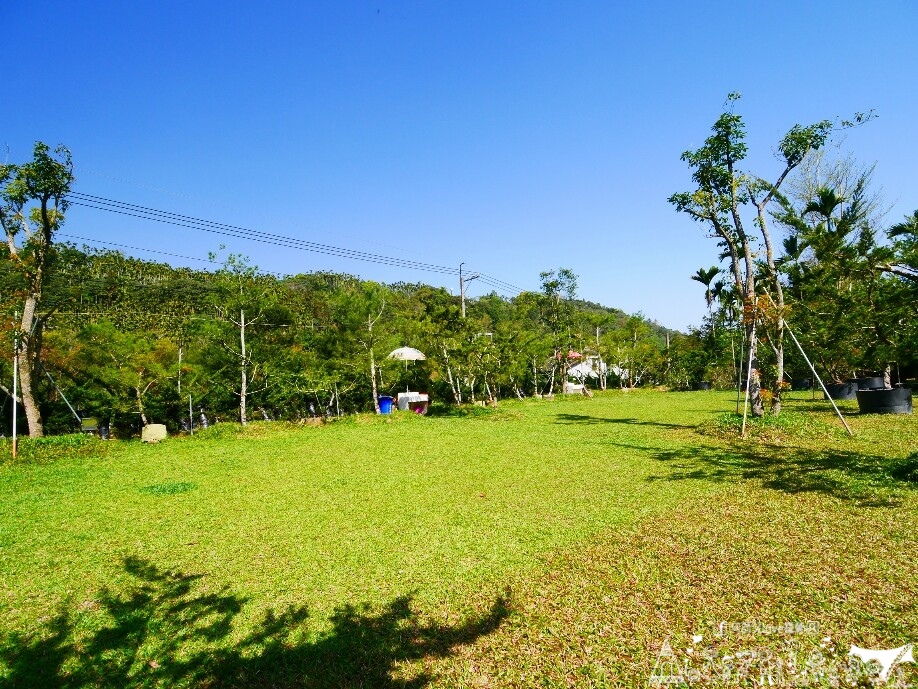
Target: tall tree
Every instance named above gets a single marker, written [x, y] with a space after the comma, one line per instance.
[722, 192]
[850, 292]
[245, 297]
[558, 291]
[706, 277]
[33, 200]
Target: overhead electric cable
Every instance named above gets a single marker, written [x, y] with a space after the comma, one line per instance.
[100, 203]
[177, 219]
[136, 248]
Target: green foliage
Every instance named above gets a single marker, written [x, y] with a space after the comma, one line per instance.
[723, 193]
[905, 247]
[852, 310]
[53, 448]
[124, 336]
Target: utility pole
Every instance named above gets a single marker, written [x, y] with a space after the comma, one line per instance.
[462, 283]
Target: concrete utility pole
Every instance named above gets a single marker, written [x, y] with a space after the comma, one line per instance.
[462, 283]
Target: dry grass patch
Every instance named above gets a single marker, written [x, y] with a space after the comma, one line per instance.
[599, 614]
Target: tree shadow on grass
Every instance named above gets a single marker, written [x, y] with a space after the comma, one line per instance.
[868, 480]
[586, 419]
[167, 631]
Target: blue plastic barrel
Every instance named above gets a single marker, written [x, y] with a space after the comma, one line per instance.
[385, 404]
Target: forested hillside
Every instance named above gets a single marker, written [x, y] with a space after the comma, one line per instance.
[130, 341]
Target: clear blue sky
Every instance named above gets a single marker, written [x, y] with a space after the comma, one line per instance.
[513, 136]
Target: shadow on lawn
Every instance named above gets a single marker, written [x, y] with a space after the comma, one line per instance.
[868, 480]
[585, 419]
[168, 631]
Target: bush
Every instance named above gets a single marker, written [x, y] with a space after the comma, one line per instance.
[52, 448]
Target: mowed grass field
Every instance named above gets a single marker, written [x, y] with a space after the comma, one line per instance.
[540, 544]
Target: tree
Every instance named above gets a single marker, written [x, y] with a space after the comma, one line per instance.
[905, 244]
[722, 192]
[44, 181]
[127, 365]
[850, 292]
[125, 336]
[706, 278]
[634, 351]
[558, 290]
[358, 320]
[248, 293]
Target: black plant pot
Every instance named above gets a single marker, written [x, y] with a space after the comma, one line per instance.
[703, 385]
[894, 401]
[869, 383]
[842, 391]
[802, 384]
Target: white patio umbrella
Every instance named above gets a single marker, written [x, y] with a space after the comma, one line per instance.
[407, 354]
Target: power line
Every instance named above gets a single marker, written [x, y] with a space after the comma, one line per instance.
[487, 279]
[100, 203]
[499, 284]
[136, 248]
[147, 213]
[106, 244]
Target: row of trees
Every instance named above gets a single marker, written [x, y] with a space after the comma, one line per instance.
[805, 250]
[131, 341]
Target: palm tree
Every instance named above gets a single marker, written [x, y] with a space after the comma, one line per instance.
[706, 278]
[824, 205]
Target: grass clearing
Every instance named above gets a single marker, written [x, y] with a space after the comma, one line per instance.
[542, 543]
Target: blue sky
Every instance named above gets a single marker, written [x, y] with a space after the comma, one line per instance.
[514, 136]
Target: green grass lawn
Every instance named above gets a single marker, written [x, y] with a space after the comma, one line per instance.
[540, 544]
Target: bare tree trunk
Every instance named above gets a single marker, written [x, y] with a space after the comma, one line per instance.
[778, 345]
[732, 354]
[887, 377]
[373, 379]
[143, 413]
[243, 387]
[25, 357]
[369, 345]
[632, 378]
[755, 380]
[453, 380]
[779, 364]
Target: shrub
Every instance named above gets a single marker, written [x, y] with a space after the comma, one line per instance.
[52, 447]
